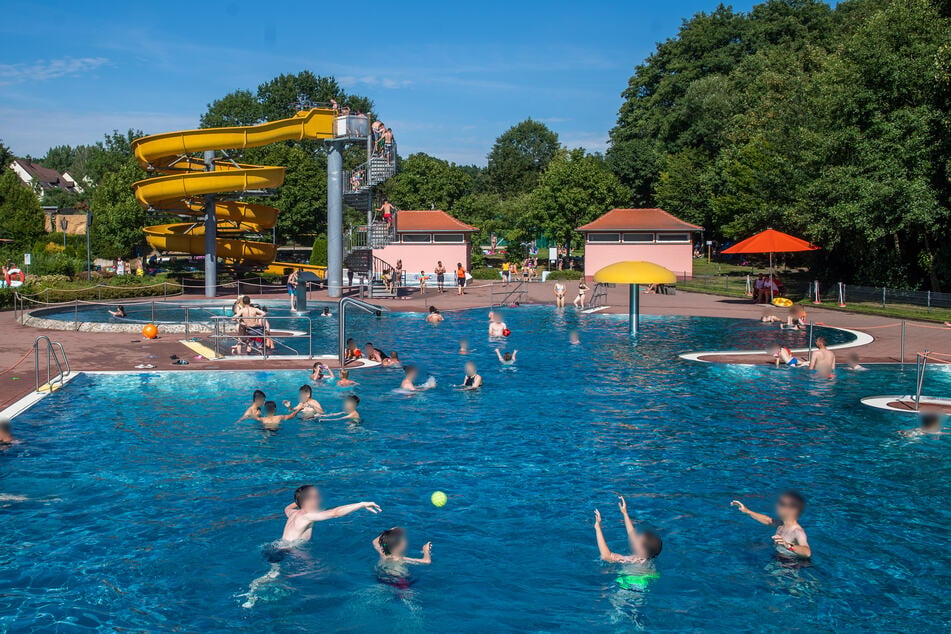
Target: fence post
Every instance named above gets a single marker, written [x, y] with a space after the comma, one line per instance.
[186, 322]
[239, 287]
[929, 301]
[99, 291]
[47, 295]
[883, 297]
[816, 299]
[902, 343]
[76, 314]
[164, 289]
[841, 295]
[153, 311]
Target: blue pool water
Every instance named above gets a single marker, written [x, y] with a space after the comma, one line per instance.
[137, 502]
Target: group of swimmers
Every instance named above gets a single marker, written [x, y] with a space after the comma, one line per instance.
[822, 360]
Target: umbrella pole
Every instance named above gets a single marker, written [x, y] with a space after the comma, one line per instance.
[770, 277]
[634, 308]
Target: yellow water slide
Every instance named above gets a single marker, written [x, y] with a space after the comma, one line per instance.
[180, 190]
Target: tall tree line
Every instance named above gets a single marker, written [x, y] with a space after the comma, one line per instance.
[828, 123]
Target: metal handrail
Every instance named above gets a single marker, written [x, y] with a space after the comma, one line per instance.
[342, 322]
[599, 296]
[51, 357]
[217, 334]
[922, 361]
[506, 294]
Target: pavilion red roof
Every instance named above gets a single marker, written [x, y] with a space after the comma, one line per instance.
[638, 220]
[409, 221]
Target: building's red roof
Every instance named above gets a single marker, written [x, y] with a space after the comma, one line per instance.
[408, 221]
[638, 220]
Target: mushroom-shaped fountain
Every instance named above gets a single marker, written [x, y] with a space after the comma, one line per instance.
[634, 274]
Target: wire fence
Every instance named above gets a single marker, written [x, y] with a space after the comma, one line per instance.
[833, 293]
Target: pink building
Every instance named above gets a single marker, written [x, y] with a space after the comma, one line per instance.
[426, 237]
[651, 235]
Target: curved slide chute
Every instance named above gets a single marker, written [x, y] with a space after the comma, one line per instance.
[180, 190]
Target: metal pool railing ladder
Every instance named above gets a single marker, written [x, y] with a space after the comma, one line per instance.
[342, 324]
[51, 358]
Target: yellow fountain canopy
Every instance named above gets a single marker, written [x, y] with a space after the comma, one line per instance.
[635, 273]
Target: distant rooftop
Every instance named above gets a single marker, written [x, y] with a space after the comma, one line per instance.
[408, 221]
[638, 220]
[47, 179]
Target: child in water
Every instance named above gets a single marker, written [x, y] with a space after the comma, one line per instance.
[307, 405]
[321, 372]
[270, 418]
[645, 545]
[506, 359]
[790, 538]
[391, 546]
[254, 409]
[349, 410]
[345, 380]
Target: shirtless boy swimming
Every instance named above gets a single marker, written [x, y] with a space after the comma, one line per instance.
[790, 538]
[645, 545]
[305, 511]
[823, 359]
[349, 410]
[391, 546]
[254, 409]
[506, 359]
[270, 418]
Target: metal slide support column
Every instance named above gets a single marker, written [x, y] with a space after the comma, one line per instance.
[335, 219]
[635, 308]
[211, 234]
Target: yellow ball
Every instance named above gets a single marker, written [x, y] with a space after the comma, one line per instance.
[439, 499]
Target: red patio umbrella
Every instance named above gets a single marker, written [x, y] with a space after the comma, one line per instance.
[771, 241]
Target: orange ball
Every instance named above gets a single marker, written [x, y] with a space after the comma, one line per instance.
[150, 331]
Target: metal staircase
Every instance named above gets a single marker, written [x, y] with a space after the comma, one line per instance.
[358, 189]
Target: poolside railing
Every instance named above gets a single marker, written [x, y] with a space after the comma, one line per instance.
[221, 332]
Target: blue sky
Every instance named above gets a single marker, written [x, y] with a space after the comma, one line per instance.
[449, 77]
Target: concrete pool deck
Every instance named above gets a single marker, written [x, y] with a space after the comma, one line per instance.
[117, 351]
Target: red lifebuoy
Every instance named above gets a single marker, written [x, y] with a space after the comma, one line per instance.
[14, 277]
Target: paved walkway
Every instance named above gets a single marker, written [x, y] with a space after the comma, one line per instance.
[123, 351]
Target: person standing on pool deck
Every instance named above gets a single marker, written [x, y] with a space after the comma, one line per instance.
[645, 545]
[460, 279]
[560, 294]
[305, 511]
[579, 299]
[790, 538]
[440, 272]
[823, 359]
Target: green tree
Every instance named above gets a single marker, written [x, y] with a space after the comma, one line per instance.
[6, 156]
[239, 108]
[21, 218]
[518, 158]
[575, 189]
[118, 217]
[426, 182]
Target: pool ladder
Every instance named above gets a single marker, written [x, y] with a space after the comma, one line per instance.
[52, 357]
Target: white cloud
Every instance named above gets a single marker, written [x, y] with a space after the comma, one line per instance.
[45, 69]
[351, 81]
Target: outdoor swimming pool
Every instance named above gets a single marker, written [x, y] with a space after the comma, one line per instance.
[136, 501]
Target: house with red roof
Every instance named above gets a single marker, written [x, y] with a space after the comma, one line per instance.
[650, 235]
[424, 237]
